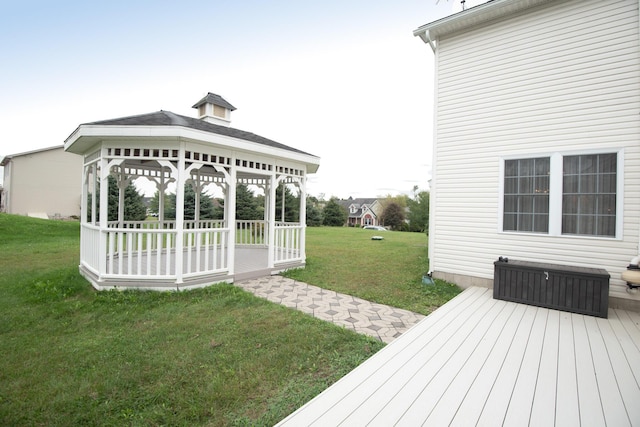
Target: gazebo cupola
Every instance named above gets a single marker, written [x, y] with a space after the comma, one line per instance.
[186, 160]
[214, 109]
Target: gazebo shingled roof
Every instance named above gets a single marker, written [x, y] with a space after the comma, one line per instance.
[214, 99]
[167, 118]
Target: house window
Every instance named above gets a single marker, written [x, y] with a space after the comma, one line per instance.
[526, 195]
[570, 195]
[589, 195]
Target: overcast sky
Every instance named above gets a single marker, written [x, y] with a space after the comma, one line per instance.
[344, 80]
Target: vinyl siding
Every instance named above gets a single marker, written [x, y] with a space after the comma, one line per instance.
[45, 182]
[562, 78]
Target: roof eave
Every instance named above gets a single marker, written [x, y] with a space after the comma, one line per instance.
[88, 135]
[478, 15]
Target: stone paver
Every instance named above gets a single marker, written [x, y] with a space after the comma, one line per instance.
[377, 320]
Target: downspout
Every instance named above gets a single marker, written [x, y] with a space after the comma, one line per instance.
[426, 37]
[632, 274]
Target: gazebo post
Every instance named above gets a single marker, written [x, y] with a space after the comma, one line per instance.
[161, 188]
[196, 209]
[282, 207]
[121, 187]
[94, 185]
[180, 181]
[231, 219]
[272, 186]
[302, 188]
[104, 208]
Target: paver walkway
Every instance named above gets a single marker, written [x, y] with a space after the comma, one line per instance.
[377, 320]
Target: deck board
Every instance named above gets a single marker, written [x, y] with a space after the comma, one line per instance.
[524, 386]
[625, 380]
[567, 405]
[474, 399]
[588, 392]
[545, 385]
[480, 361]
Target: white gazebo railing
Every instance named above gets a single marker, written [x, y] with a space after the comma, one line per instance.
[147, 249]
[251, 233]
[288, 242]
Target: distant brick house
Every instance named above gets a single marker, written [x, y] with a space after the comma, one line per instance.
[362, 211]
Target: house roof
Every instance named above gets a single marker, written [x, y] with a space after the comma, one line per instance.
[358, 202]
[5, 161]
[490, 11]
[164, 118]
[212, 98]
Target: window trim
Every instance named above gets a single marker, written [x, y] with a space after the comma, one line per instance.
[555, 192]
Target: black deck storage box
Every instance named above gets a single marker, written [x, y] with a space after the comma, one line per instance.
[567, 288]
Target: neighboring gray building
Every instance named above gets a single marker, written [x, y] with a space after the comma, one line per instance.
[42, 183]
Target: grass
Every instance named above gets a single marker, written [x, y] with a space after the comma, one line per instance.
[387, 271]
[215, 356]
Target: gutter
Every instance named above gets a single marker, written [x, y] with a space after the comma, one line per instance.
[426, 37]
[478, 15]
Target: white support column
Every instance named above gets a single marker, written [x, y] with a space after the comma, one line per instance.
[180, 181]
[95, 184]
[197, 188]
[302, 187]
[230, 208]
[161, 187]
[84, 196]
[122, 185]
[84, 200]
[104, 209]
[282, 202]
[273, 186]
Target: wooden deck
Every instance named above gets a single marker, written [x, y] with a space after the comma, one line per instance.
[480, 361]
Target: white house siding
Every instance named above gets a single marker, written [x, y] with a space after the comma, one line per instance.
[560, 78]
[43, 182]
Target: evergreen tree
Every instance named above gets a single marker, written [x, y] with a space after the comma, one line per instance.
[314, 215]
[333, 214]
[291, 205]
[134, 208]
[207, 210]
[154, 204]
[247, 207]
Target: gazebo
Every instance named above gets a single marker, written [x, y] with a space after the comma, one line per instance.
[184, 251]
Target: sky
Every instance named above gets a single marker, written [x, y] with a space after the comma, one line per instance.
[343, 80]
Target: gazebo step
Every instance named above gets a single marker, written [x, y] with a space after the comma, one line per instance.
[248, 275]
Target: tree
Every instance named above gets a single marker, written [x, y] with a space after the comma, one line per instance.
[419, 212]
[314, 214]
[134, 208]
[207, 210]
[247, 207]
[291, 205]
[333, 214]
[393, 216]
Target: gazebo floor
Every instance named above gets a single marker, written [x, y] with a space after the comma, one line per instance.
[250, 263]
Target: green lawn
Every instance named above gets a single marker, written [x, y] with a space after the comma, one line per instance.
[387, 271]
[216, 356]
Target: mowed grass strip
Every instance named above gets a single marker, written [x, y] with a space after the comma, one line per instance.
[216, 356]
[387, 271]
